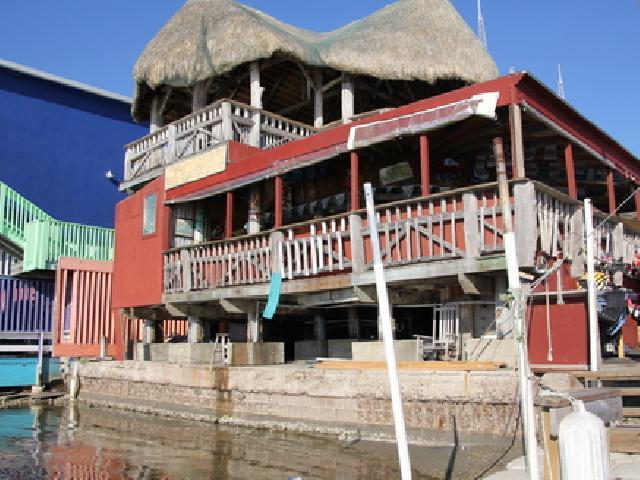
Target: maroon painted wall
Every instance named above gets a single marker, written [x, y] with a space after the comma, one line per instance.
[138, 275]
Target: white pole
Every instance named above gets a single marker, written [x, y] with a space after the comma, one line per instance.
[594, 335]
[387, 336]
[526, 390]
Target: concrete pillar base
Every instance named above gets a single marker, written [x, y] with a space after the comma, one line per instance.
[196, 330]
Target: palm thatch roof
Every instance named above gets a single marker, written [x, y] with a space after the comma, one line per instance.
[408, 40]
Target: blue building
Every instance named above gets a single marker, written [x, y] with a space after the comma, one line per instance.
[59, 138]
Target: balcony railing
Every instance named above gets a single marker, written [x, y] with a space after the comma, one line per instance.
[223, 120]
[465, 223]
[15, 213]
[47, 241]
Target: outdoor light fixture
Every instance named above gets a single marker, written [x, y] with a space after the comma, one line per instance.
[112, 178]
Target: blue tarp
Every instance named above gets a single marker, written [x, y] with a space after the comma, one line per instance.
[274, 295]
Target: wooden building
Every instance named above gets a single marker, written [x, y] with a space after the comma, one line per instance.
[262, 136]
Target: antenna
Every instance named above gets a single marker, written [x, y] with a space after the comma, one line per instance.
[482, 33]
[560, 83]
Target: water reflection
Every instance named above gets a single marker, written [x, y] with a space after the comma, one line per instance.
[85, 443]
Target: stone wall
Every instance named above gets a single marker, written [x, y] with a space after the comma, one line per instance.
[263, 353]
[460, 402]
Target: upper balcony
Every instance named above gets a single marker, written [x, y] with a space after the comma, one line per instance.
[221, 121]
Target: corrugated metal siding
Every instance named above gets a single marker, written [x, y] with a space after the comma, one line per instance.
[26, 305]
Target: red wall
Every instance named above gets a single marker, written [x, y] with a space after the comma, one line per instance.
[569, 332]
[137, 272]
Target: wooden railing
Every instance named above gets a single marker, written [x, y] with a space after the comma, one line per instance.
[411, 231]
[220, 121]
[465, 223]
[26, 305]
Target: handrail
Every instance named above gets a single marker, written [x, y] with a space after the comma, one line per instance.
[15, 212]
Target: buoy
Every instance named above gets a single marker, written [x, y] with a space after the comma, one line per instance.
[584, 449]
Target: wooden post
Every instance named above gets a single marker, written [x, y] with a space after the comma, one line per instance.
[355, 181]
[277, 207]
[256, 102]
[155, 116]
[471, 227]
[228, 219]
[551, 448]
[425, 167]
[172, 153]
[526, 231]
[347, 97]
[199, 95]
[517, 148]
[357, 244]
[318, 104]
[255, 204]
[571, 172]
[503, 186]
[185, 259]
[637, 199]
[611, 192]
[227, 123]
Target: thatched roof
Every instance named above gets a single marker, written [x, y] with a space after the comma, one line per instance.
[407, 40]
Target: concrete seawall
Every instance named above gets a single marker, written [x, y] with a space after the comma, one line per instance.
[440, 407]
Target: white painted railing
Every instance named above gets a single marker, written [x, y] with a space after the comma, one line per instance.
[220, 121]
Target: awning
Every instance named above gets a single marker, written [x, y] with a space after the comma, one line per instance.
[483, 105]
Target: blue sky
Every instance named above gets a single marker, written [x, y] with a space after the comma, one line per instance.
[596, 41]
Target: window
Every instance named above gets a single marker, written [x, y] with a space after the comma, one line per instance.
[149, 214]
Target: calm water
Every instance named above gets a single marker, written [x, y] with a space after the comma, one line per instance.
[63, 443]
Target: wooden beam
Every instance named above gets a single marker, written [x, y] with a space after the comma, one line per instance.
[277, 208]
[347, 97]
[425, 165]
[503, 186]
[611, 192]
[355, 181]
[517, 147]
[228, 221]
[571, 171]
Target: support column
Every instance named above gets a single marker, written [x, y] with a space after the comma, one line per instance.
[611, 192]
[318, 103]
[254, 325]
[355, 181]
[149, 331]
[637, 199]
[199, 95]
[228, 217]
[155, 116]
[253, 223]
[571, 171]
[277, 207]
[517, 147]
[256, 102]
[196, 330]
[223, 326]
[347, 97]
[354, 323]
[393, 322]
[320, 334]
[425, 166]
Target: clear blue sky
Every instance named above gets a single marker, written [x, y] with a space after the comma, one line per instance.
[596, 41]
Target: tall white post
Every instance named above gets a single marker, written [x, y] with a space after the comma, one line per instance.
[594, 334]
[347, 97]
[256, 102]
[318, 103]
[387, 334]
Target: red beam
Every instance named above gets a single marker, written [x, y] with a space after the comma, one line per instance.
[228, 220]
[611, 192]
[425, 179]
[355, 181]
[278, 201]
[571, 172]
